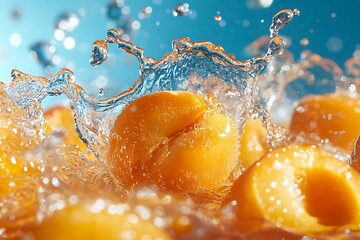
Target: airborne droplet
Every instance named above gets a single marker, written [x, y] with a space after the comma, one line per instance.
[99, 53]
[181, 9]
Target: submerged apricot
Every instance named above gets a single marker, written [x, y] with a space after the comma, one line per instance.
[176, 141]
[301, 188]
[329, 118]
[78, 222]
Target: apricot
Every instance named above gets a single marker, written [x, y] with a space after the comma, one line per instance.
[175, 140]
[61, 117]
[252, 142]
[78, 222]
[300, 188]
[329, 118]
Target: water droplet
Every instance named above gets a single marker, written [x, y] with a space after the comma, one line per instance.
[334, 44]
[222, 23]
[218, 18]
[258, 3]
[246, 23]
[304, 41]
[15, 39]
[181, 9]
[281, 19]
[99, 53]
[101, 92]
[145, 13]
[69, 43]
[67, 22]
[333, 15]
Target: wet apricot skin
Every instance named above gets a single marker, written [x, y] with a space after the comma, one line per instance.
[175, 141]
[77, 222]
[299, 187]
[329, 118]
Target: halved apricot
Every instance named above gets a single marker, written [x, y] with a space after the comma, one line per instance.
[176, 141]
[331, 118]
[301, 188]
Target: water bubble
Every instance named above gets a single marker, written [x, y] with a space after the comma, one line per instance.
[304, 41]
[258, 3]
[125, 10]
[246, 23]
[222, 23]
[334, 44]
[59, 35]
[15, 39]
[67, 22]
[333, 15]
[69, 43]
[181, 9]
[113, 9]
[145, 13]
[135, 25]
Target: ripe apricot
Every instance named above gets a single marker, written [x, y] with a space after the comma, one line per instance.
[176, 141]
[329, 118]
[62, 117]
[301, 188]
[78, 222]
[252, 142]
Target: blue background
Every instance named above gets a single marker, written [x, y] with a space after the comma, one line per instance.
[319, 21]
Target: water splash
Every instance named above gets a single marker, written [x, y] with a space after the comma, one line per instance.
[201, 67]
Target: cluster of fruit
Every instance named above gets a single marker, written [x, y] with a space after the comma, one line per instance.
[187, 147]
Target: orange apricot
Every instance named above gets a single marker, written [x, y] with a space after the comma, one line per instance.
[78, 222]
[252, 142]
[300, 188]
[62, 117]
[329, 118]
[176, 141]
